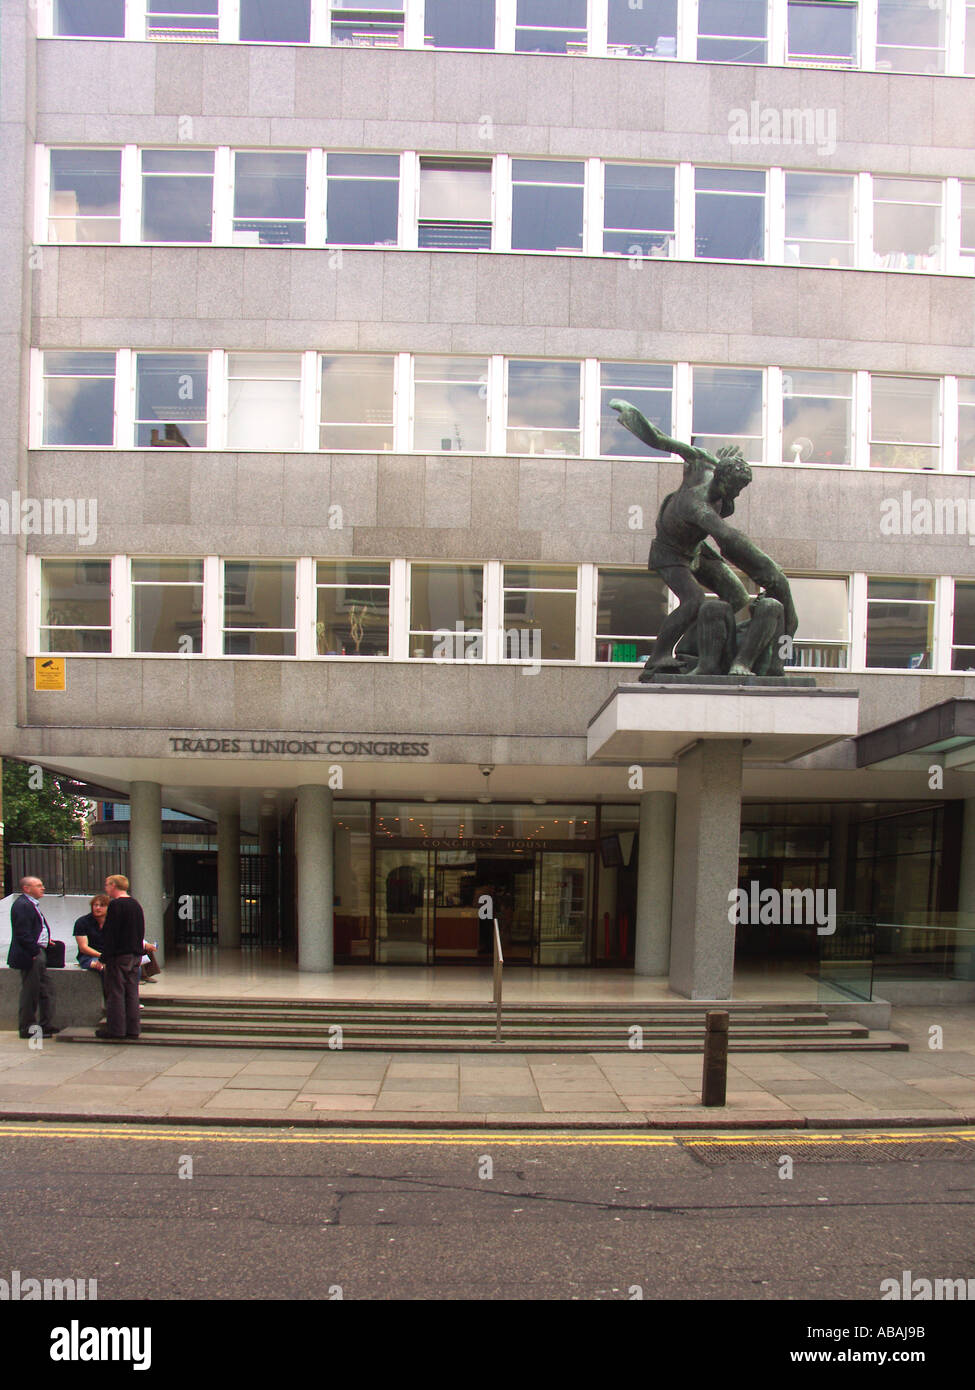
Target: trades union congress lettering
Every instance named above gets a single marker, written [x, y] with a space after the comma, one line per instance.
[346, 746]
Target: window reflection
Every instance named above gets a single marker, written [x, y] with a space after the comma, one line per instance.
[546, 204]
[357, 402]
[905, 422]
[543, 407]
[269, 199]
[363, 199]
[86, 190]
[79, 399]
[171, 400]
[728, 409]
[177, 195]
[817, 414]
[263, 400]
[450, 404]
[259, 607]
[819, 219]
[729, 214]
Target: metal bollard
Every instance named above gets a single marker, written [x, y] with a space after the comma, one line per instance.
[714, 1083]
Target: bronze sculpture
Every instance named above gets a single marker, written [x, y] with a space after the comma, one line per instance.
[701, 636]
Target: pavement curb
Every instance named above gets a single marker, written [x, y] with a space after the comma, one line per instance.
[394, 1120]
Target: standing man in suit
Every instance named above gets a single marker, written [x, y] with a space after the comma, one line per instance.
[29, 940]
[122, 939]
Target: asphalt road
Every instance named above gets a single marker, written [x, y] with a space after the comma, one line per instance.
[293, 1214]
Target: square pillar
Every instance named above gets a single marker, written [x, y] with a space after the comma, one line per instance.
[706, 842]
[316, 880]
[654, 883]
[145, 856]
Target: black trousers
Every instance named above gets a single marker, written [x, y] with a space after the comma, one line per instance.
[36, 991]
[122, 995]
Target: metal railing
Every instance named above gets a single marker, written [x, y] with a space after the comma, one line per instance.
[73, 868]
[498, 968]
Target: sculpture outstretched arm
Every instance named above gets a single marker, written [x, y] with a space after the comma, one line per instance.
[637, 423]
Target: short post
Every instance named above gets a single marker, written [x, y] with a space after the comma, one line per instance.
[498, 969]
[714, 1084]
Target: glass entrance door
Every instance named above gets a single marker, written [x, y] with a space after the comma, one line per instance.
[564, 908]
[472, 889]
[403, 903]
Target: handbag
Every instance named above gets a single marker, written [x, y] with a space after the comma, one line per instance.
[54, 955]
[150, 967]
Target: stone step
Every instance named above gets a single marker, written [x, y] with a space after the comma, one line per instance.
[663, 1006]
[486, 1016]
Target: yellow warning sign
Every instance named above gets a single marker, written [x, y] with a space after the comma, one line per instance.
[49, 673]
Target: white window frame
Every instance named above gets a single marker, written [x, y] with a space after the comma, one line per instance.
[483, 630]
[116, 629]
[129, 612]
[939, 441]
[37, 378]
[255, 560]
[730, 193]
[580, 606]
[311, 608]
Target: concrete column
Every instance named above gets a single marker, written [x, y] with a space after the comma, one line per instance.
[228, 876]
[316, 879]
[145, 856]
[654, 883]
[966, 889]
[706, 838]
[268, 830]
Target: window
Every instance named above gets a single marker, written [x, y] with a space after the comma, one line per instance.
[817, 414]
[729, 214]
[630, 607]
[966, 423]
[259, 607]
[911, 35]
[907, 224]
[650, 389]
[550, 26]
[89, 19]
[357, 403]
[76, 606]
[269, 199]
[968, 219]
[822, 638]
[822, 31]
[353, 608]
[728, 410]
[819, 219]
[546, 204]
[963, 628]
[177, 195]
[264, 400]
[970, 40]
[640, 30]
[447, 24]
[167, 606]
[905, 422]
[79, 399]
[731, 31]
[543, 408]
[446, 611]
[900, 623]
[181, 19]
[275, 21]
[86, 189]
[638, 210]
[455, 204]
[171, 400]
[363, 199]
[450, 404]
[357, 24]
[539, 613]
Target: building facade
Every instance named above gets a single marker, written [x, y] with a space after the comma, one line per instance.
[312, 318]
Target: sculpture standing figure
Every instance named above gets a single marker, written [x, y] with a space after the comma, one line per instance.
[701, 636]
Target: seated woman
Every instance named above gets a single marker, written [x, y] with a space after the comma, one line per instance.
[88, 933]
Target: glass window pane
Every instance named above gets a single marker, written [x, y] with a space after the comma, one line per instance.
[540, 577]
[650, 389]
[357, 402]
[729, 213]
[450, 404]
[966, 423]
[905, 423]
[167, 618]
[86, 187]
[275, 21]
[630, 606]
[649, 27]
[823, 608]
[259, 594]
[177, 195]
[452, 189]
[963, 634]
[353, 609]
[545, 214]
[363, 199]
[550, 26]
[75, 595]
[731, 31]
[373, 26]
[167, 571]
[638, 214]
[539, 626]
[171, 400]
[910, 36]
[441, 597]
[102, 19]
[543, 407]
[817, 411]
[269, 199]
[264, 401]
[448, 24]
[79, 399]
[899, 635]
[824, 32]
[968, 202]
[907, 224]
[819, 219]
[728, 409]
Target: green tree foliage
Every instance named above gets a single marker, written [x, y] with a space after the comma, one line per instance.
[48, 814]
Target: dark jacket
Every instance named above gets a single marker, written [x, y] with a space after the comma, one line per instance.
[124, 930]
[25, 928]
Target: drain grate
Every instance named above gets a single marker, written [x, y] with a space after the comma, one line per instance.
[832, 1150]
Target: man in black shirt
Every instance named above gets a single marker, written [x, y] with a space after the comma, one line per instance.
[124, 933]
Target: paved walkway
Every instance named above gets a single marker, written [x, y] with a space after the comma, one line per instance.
[804, 1089]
